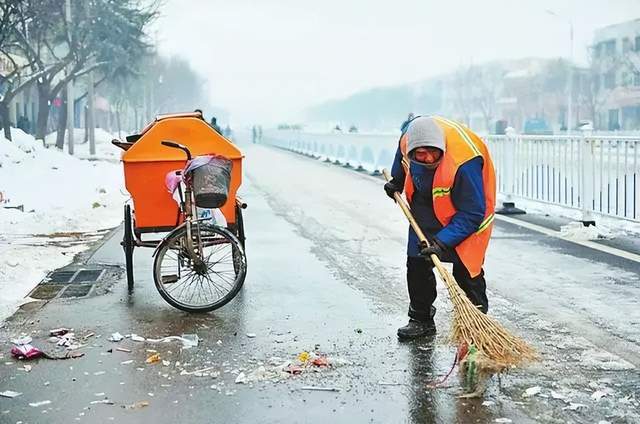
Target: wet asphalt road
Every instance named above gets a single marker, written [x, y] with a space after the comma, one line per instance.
[325, 272]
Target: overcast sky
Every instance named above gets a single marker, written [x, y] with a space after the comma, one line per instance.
[265, 60]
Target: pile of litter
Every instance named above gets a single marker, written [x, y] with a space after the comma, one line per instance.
[187, 340]
[163, 355]
[63, 338]
[278, 369]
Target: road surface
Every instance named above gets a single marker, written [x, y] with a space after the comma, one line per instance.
[326, 253]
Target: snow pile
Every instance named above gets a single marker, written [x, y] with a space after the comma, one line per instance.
[104, 149]
[59, 194]
[12, 152]
[577, 231]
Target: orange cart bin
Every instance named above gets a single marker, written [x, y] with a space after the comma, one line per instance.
[147, 162]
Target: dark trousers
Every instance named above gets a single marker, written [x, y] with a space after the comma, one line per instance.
[421, 282]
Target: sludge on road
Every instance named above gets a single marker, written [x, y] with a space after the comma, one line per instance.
[325, 276]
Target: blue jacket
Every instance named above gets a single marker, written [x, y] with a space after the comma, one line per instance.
[467, 195]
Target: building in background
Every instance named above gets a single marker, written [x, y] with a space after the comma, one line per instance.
[25, 104]
[527, 94]
[616, 72]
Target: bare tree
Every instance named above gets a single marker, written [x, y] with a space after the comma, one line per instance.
[486, 90]
[104, 35]
[18, 76]
[593, 92]
[462, 87]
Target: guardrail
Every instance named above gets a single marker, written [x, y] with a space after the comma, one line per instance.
[596, 174]
[370, 152]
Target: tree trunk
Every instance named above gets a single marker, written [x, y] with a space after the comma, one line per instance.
[44, 91]
[5, 119]
[62, 121]
[86, 125]
[118, 123]
[488, 121]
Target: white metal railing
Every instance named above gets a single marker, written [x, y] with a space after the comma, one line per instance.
[370, 152]
[597, 174]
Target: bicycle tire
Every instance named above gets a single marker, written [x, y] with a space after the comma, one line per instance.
[239, 267]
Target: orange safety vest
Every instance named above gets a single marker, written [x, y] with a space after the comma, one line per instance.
[462, 145]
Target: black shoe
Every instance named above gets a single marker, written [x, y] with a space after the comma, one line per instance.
[416, 329]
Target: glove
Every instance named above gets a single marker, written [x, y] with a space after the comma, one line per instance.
[391, 187]
[436, 247]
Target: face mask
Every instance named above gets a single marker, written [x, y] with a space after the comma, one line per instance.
[428, 158]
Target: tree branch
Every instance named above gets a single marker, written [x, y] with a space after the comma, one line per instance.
[95, 85]
[30, 79]
[73, 75]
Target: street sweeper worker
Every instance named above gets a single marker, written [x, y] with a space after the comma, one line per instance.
[447, 175]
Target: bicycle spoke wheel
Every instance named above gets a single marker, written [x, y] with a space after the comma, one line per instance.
[204, 281]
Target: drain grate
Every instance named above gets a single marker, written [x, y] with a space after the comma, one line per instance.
[88, 276]
[60, 277]
[77, 290]
[46, 291]
[66, 284]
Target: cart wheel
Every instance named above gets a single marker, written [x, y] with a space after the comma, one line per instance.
[238, 230]
[199, 287]
[240, 226]
[128, 245]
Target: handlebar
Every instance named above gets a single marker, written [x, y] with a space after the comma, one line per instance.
[177, 146]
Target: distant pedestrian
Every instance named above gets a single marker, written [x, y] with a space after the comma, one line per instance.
[24, 124]
[254, 134]
[405, 124]
[214, 125]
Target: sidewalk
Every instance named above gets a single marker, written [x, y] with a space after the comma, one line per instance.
[66, 201]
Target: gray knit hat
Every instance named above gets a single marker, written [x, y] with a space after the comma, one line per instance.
[425, 132]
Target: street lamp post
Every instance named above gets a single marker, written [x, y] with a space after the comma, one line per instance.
[570, 84]
[70, 108]
[570, 80]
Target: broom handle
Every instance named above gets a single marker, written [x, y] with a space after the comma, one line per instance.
[414, 224]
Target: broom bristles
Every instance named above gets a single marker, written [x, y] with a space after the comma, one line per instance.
[471, 326]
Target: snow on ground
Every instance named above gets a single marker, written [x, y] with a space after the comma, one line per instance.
[60, 194]
[607, 226]
[104, 149]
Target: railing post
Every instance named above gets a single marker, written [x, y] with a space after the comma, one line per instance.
[587, 169]
[510, 160]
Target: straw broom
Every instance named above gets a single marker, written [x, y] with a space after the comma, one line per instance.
[470, 325]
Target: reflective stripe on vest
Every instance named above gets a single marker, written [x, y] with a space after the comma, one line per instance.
[462, 145]
[441, 191]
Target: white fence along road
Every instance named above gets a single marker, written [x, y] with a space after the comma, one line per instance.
[597, 174]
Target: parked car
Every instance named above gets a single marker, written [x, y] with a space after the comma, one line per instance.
[501, 126]
[537, 126]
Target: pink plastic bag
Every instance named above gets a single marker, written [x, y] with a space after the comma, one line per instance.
[26, 351]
